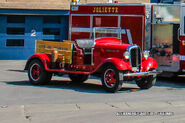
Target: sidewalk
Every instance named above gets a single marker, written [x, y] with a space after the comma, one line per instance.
[161, 112]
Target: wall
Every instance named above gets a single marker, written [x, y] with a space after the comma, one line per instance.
[53, 4]
[31, 23]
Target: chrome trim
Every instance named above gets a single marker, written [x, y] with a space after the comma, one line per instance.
[92, 63]
[148, 21]
[148, 73]
[129, 49]
[119, 21]
[70, 28]
[129, 36]
[35, 45]
[182, 57]
[94, 30]
[81, 29]
[178, 34]
[91, 26]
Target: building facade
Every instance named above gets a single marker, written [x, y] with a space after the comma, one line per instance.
[22, 22]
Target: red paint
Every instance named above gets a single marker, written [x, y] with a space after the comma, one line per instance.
[101, 56]
[80, 35]
[107, 9]
[44, 58]
[110, 77]
[119, 63]
[105, 50]
[182, 47]
[135, 25]
[80, 21]
[148, 64]
[105, 21]
[182, 51]
[182, 37]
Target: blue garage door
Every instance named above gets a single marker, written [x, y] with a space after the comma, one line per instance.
[18, 34]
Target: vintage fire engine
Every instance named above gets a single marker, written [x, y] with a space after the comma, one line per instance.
[104, 55]
[155, 27]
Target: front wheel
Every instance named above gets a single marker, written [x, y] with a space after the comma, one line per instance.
[147, 82]
[37, 74]
[110, 79]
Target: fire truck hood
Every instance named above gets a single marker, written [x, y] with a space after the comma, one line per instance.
[112, 43]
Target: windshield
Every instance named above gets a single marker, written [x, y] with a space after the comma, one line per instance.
[107, 32]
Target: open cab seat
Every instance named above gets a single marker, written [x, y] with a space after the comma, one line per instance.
[86, 45]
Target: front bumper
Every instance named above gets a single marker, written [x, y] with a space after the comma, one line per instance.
[138, 74]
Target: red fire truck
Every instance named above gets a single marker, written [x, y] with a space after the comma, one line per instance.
[155, 27]
[105, 56]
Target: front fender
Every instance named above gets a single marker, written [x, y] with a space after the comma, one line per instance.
[119, 63]
[44, 58]
[148, 64]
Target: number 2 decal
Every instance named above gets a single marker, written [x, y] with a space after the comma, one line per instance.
[33, 33]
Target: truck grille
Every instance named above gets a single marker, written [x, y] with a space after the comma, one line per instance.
[135, 58]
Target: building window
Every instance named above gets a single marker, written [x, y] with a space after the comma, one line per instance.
[51, 31]
[15, 42]
[15, 31]
[52, 19]
[15, 19]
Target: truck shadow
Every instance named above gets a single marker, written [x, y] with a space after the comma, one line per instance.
[173, 83]
[67, 85]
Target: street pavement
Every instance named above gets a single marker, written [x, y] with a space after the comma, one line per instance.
[62, 102]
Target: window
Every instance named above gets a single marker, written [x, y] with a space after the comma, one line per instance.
[15, 42]
[81, 21]
[52, 19]
[15, 19]
[15, 31]
[51, 31]
[105, 21]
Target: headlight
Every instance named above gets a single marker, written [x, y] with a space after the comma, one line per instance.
[126, 55]
[146, 54]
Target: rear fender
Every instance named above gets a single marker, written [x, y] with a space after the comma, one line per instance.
[119, 63]
[148, 64]
[44, 58]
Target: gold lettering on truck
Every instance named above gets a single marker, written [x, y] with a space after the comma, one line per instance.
[106, 10]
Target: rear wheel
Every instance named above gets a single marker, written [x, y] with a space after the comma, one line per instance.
[78, 78]
[146, 83]
[110, 79]
[37, 74]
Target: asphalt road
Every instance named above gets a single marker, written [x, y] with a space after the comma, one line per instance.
[16, 90]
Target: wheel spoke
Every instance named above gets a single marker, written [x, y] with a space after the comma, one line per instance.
[110, 78]
[35, 71]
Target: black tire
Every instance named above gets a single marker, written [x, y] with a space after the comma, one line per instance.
[78, 78]
[146, 83]
[106, 79]
[41, 76]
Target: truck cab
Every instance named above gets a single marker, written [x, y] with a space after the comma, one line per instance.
[104, 56]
